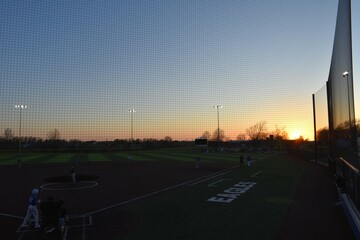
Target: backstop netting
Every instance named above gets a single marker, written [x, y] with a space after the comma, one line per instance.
[341, 105]
[321, 125]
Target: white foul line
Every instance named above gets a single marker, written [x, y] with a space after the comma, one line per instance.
[211, 176]
[256, 173]
[162, 190]
[10, 215]
[212, 184]
[83, 229]
[21, 235]
[65, 233]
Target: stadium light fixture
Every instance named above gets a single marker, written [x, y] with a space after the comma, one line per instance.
[132, 118]
[218, 137]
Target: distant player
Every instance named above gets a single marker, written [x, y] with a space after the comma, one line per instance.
[72, 174]
[19, 162]
[197, 160]
[248, 159]
[63, 218]
[241, 161]
[32, 209]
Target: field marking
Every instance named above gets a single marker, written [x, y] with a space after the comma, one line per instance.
[83, 225]
[10, 215]
[162, 190]
[21, 235]
[45, 186]
[83, 217]
[83, 236]
[256, 173]
[213, 176]
[212, 184]
[65, 233]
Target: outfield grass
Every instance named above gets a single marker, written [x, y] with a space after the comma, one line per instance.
[97, 157]
[60, 158]
[174, 154]
[185, 213]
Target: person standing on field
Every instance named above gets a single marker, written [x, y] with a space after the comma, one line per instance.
[50, 215]
[63, 218]
[72, 173]
[197, 160]
[241, 161]
[248, 159]
[32, 209]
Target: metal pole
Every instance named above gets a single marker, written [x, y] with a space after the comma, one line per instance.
[20, 133]
[20, 108]
[132, 127]
[218, 129]
[348, 88]
[132, 138]
[315, 140]
[218, 140]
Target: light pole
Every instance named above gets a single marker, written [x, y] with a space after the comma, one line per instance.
[20, 107]
[346, 74]
[218, 137]
[132, 120]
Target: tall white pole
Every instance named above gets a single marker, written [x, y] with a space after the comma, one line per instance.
[132, 123]
[20, 107]
[218, 118]
[346, 74]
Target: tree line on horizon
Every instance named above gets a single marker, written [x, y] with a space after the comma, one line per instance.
[257, 131]
[342, 131]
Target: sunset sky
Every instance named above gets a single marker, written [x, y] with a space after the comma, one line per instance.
[80, 65]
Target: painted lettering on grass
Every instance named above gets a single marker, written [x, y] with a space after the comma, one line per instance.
[232, 193]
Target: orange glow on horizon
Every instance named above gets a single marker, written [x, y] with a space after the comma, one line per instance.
[295, 134]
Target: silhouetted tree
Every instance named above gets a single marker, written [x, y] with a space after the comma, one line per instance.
[241, 136]
[280, 133]
[257, 131]
[53, 135]
[206, 135]
[322, 136]
[168, 139]
[8, 134]
[221, 134]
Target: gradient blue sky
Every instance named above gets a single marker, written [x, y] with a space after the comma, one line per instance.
[80, 65]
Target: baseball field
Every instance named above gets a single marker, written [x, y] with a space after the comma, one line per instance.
[155, 194]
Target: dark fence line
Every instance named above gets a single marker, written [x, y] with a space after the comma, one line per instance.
[310, 155]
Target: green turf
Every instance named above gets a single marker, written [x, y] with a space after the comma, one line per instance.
[97, 157]
[185, 213]
[166, 154]
[61, 158]
[4, 156]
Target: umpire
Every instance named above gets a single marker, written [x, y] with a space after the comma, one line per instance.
[49, 213]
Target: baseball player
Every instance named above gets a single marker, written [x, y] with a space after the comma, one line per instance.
[72, 173]
[241, 161]
[32, 209]
[248, 159]
[197, 160]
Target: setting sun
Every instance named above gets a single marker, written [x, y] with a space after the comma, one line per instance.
[295, 134]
